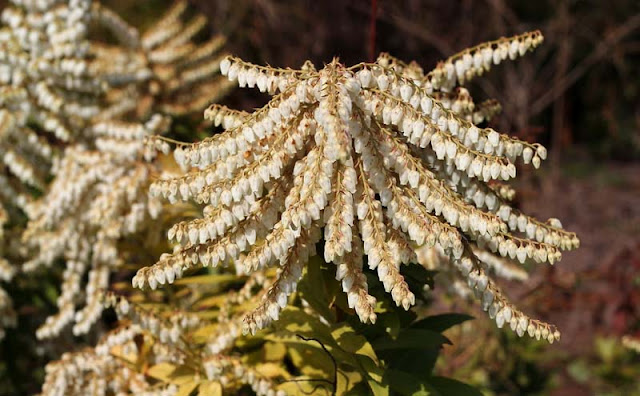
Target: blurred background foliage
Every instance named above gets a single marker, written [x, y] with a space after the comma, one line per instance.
[579, 94]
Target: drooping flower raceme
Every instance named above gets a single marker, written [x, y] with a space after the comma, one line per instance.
[97, 102]
[164, 341]
[384, 158]
[98, 198]
[57, 81]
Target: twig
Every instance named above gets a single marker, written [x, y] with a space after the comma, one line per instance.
[412, 28]
[601, 50]
[334, 380]
[313, 390]
[372, 30]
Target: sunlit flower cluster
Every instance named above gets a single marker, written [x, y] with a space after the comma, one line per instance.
[80, 110]
[387, 159]
[165, 340]
[98, 198]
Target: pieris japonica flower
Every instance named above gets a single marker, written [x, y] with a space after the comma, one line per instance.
[57, 82]
[80, 110]
[163, 340]
[383, 158]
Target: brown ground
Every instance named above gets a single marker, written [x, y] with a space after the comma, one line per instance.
[594, 291]
[603, 208]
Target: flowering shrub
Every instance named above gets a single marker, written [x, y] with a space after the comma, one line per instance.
[97, 99]
[383, 168]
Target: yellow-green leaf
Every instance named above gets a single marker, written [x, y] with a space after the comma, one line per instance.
[378, 389]
[311, 361]
[314, 290]
[205, 332]
[169, 373]
[161, 371]
[272, 370]
[346, 381]
[210, 389]
[306, 388]
[212, 301]
[274, 351]
[186, 388]
[350, 341]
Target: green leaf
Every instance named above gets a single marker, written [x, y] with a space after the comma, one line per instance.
[605, 347]
[377, 388]
[371, 368]
[350, 341]
[406, 384]
[579, 371]
[360, 389]
[203, 333]
[298, 322]
[368, 363]
[441, 322]
[448, 386]
[309, 358]
[211, 301]
[411, 345]
[346, 380]
[272, 370]
[161, 371]
[273, 351]
[411, 338]
[169, 373]
[313, 289]
[405, 360]
[416, 277]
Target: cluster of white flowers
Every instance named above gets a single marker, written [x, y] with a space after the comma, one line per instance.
[46, 79]
[224, 116]
[167, 330]
[498, 307]
[276, 296]
[261, 219]
[105, 369]
[384, 143]
[468, 276]
[97, 199]
[54, 74]
[228, 369]
[122, 336]
[632, 343]
[88, 100]
[183, 72]
[475, 61]
[130, 139]
[230, 324]
[503, 268]
[460, 102]
[166, 66]
[161, 337]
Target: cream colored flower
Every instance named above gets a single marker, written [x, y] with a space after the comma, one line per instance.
[385, 158]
